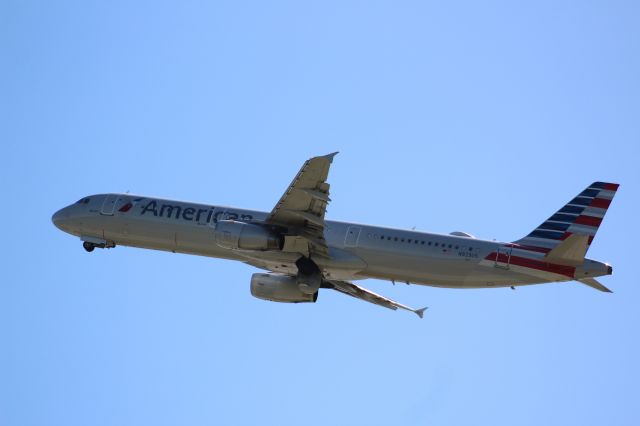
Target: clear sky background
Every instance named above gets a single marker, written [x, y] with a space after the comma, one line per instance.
[483, 117]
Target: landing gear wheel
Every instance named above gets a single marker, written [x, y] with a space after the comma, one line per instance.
[88, 246]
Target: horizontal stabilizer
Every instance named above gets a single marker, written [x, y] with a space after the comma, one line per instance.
[593, 283]
[569, 252]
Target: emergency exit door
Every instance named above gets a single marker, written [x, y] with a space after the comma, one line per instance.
[351, 239]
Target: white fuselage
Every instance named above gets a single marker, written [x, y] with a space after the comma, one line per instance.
[356, 251]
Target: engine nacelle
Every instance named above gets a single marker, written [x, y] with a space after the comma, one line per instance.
[279, 288]
[231, 234]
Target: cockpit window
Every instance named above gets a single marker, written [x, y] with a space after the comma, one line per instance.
[83, 200]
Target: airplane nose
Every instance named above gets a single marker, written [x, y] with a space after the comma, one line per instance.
[58, 218]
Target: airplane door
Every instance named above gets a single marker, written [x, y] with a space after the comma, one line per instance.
[503, 257]
[109, 205]
[351, 239]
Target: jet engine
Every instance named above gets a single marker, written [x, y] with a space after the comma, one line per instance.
[279, 288]
[231, 234]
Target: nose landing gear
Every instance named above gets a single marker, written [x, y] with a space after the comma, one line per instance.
[90, 243]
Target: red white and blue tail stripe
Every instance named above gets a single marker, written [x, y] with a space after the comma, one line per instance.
[582, 215]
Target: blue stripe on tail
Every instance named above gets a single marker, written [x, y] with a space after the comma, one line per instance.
[561, 224]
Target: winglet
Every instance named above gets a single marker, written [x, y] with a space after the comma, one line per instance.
[330, 156]
[420, 312]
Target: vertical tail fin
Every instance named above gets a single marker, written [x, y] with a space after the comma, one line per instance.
[582, 216]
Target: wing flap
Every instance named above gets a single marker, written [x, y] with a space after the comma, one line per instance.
[315, 219]
[315, 194]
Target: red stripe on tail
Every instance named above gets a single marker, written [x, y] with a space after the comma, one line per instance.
[600, 203]
[611, 186]
[588, 220]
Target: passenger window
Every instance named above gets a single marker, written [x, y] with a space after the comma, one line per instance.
[436, 244]
[395, 238]
[429, 243]
[409, 240]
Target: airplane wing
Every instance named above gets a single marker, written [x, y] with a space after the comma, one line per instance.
[302, 207]
[369, 296]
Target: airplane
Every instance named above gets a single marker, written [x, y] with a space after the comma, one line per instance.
[304, 253]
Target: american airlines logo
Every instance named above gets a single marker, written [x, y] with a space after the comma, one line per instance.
[129, 205]
[175, 211]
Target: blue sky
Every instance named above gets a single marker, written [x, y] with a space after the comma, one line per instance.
[484, 117]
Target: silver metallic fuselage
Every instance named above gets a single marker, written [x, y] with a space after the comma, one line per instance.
[356, 251]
